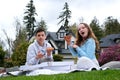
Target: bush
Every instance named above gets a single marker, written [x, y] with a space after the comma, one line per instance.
[110, 54]
[8, 63]
[57, 57]
[19, 55]
[2, 55]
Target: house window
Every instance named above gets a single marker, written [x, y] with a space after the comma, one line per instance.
[61, 35]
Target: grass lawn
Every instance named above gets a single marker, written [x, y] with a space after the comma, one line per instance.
[92, 75]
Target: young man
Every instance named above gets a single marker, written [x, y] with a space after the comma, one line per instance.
[40, 50]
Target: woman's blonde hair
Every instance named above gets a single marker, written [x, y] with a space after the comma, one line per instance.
[79, 39]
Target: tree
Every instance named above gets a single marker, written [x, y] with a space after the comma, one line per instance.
[42, 24]
[19, 55]
[10, 44]
[29, 19]
[2, 43]
[96, 28]
[73, 28]
[81, 20]
[65, 15]
[20, 45]
[21, 35]
[111, 26]
[2, 55]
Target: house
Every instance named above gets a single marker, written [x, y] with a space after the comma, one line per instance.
[56, 39]
[109, 40]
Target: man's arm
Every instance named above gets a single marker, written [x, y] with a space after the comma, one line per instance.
[31, 56]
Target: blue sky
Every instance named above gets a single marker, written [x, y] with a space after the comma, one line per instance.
[49, 10]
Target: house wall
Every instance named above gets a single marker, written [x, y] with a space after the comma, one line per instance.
[61, 34]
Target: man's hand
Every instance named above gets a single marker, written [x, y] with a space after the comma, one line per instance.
[39, 55]
[49, 50]
[68, 39]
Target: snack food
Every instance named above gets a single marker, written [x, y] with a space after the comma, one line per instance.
[67, 38]
[50, 49]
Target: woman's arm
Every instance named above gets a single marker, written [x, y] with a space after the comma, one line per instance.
[72, 50]
[89, 49]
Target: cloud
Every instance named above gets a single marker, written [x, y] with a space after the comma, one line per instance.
[49, 10]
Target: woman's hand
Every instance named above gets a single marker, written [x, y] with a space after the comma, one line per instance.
[74, 46]
[68, 39]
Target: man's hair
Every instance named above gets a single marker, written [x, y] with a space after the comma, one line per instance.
[40, 29]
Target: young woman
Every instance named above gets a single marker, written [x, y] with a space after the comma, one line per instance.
[84, 48]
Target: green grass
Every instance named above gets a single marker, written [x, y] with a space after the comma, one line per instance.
[92, 75]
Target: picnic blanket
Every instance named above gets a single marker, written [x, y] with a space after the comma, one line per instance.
[47, 68]
[50, 68]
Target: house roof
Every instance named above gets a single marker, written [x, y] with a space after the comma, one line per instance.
[61, 28]
[109, 40]
[53, 36]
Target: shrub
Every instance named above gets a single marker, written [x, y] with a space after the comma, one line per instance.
[2, 55]
[111, 53]
[19, 55]
[8, 63]
[57, 57]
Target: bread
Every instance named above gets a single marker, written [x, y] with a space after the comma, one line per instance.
[67, 38]
[49, 49]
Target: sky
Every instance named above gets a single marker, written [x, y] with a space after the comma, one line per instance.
[49, 10]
